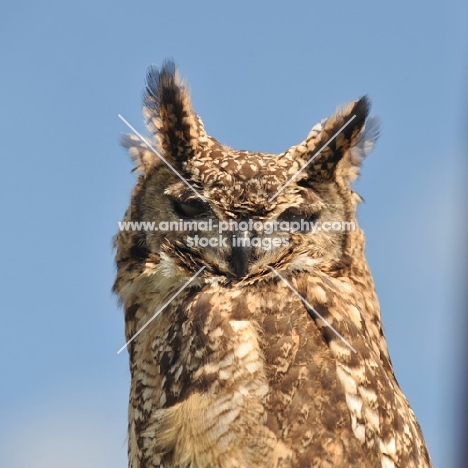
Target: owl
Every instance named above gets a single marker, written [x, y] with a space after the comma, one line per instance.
[252, 323]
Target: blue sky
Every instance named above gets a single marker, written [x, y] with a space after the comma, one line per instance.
[262, 74]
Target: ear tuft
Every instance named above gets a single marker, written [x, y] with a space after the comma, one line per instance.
[169, 114]
[351, 164]
[338, 144]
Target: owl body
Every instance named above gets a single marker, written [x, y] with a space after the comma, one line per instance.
[267, 354]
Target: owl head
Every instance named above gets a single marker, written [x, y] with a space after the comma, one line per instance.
[238, 212]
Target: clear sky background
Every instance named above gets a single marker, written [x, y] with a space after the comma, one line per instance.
[262, 73]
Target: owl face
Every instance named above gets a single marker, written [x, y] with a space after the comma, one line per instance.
[237, 212]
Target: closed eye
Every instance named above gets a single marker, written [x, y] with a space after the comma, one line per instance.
[190, 209]
[296, 215]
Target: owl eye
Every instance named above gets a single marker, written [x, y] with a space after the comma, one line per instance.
[190, 210]
[295, 215]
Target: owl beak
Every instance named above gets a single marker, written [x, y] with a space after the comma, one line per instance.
[240, 256]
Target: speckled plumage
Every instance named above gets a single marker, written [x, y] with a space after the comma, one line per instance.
[237, 372]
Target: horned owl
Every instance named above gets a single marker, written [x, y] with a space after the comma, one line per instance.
[264, 353]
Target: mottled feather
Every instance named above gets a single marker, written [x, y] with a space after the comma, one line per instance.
[237, 371]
